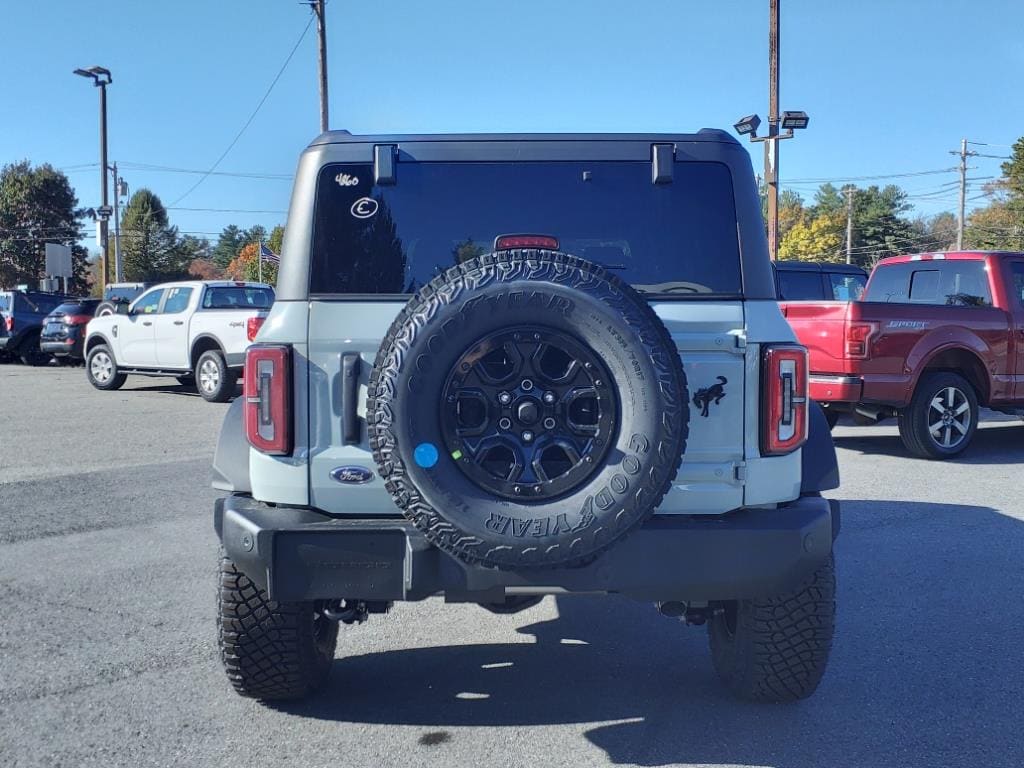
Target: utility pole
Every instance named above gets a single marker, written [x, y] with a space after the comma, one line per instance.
[849, 225]
[118, 272]
[964, 154]
[771, 149]
[318, 7]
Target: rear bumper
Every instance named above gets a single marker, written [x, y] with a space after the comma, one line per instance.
[61, 347]
[839, 389]
[302, 554]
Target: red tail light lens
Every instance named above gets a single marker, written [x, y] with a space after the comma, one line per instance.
[77, 319]
[858, 340]
[783, 399]
[268, 399]
[252, 327]
[9, 321]
[507, 242]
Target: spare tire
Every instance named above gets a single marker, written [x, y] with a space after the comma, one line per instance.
[527, 409]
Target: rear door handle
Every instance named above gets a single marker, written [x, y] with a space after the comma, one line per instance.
[147, 322]
[350, 427]
[179, 322]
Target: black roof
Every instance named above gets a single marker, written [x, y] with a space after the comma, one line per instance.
[344, 137]
[819, 266]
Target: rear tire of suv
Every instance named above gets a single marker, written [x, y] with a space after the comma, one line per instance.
[215, 381]
[942, 417]
[776, 649]
[101, 369]
[271, 650]
[30, 353]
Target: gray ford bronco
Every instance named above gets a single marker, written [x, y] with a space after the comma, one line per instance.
[501, 367]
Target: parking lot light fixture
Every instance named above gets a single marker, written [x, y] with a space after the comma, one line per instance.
[747, 125]
[101, 78]
[794, 120]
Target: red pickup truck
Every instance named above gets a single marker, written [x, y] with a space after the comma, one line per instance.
[935, 337]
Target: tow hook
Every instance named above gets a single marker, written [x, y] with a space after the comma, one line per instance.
[695, 614]
[346, 611]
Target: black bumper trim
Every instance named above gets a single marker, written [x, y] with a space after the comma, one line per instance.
[298, 553]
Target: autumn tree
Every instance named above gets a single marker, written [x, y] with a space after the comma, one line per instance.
[814, 238]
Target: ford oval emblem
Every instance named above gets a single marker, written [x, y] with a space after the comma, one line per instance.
[352, 475]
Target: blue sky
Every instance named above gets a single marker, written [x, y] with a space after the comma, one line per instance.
[890, 86]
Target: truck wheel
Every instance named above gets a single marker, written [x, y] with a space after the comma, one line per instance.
[271, 650]
[101, 368]
[942, 417]
[527, 409]
[216, 381]
[776, 649]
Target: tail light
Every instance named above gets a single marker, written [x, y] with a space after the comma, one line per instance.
[267, 394]
[252, 327]
[77, 319]
[783, 399]
[858, 340]
[9, 321]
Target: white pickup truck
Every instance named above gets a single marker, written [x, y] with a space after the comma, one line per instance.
[196, 331]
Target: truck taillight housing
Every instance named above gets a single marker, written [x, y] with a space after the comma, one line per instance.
[252, 327]
[77, 319]
[10, 323]
[267, 394]
[784, 400]
[858, 340]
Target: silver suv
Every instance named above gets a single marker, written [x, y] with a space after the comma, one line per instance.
[501, 367]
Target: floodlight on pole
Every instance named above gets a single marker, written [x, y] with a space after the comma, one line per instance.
[748, 125]
[797, 120]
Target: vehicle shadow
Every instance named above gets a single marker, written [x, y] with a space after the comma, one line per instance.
[184, 390]
[994, 443]
[925, 670]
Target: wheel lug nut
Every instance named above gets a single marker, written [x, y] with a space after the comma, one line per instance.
[549, 423]
[597, 382]
[549, 397]
[527, 385]
[505, 398]
[537, 489]
[527, 436]
[505, 423]
[517, 489]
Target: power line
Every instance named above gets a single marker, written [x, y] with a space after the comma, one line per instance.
[870, 178]
[225, 210]
[251, 117]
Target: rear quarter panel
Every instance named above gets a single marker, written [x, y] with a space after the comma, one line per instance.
[821, 327]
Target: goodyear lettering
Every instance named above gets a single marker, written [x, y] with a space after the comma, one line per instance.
[520, 527]
[497, 523]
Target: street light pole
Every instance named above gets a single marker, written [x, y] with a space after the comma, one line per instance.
[321, 24]
[101, 78]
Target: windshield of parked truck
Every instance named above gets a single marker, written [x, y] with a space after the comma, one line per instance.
[671, 240]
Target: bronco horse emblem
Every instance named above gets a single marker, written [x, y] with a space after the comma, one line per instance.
[708, 395]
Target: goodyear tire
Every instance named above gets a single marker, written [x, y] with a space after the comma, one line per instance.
[527, 409]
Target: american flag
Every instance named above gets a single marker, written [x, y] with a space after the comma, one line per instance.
[268, 255]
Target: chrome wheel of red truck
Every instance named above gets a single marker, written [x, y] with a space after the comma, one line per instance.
[942, 416]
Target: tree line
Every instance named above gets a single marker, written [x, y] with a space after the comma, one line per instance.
[882, 224]
[38, 205]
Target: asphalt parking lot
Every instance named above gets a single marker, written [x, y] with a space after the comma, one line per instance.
[107, 636]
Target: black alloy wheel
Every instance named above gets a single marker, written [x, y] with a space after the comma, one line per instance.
[529, 412]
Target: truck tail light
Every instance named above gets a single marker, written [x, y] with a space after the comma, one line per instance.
[77, 319]
[858, 340]
[267, 394]
[252, 327]
[9, 321]
[784, 400]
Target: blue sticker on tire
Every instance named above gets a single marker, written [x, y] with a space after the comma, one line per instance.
[425, 455]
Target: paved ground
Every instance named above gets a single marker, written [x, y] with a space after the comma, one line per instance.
[107, 652]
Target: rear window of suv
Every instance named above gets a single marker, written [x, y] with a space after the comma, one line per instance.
[668, 240]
